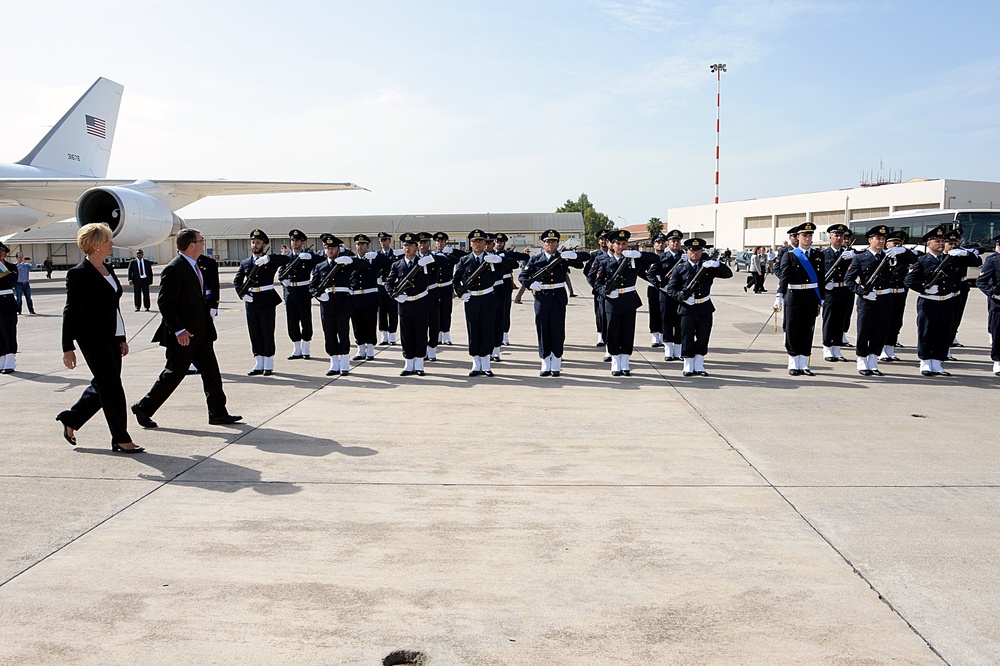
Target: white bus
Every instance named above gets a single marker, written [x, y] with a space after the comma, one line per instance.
[978, 226]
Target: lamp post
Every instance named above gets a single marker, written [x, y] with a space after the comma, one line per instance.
[717, 69]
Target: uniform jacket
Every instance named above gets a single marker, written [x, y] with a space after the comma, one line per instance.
[792, 272]
[264, 277]
[830, 256]
[545, 299]
[91, 310]
[365, 278]
[341, 295]
[421, 280]
[898, 266]
[989, 281]
[925, 266]
[860, 272]
[605, 268]
[660, 269]
[684, 274]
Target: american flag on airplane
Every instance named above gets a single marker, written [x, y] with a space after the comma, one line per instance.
[95, 126]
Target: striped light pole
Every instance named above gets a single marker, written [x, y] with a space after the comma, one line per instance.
[717, 69]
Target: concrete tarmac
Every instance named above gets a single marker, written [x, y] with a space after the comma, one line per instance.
[746, 517]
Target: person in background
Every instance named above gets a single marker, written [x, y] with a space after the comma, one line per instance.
[48, 266]
[23, 286]
[140, 276]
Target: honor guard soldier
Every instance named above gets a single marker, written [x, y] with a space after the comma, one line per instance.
[989, 283]
[793, 242]
[590, 272]
[331, 284]
[935, 276]
[8, 313]
[407, 283]
[616, 277]
[475, 277]
[659, 276]
[545, 275]
[388, 309]
[505, 289]
[433, 300]
[254, 283]
[690, 285]
[837, 297]
[365, 296]
[899, 264]
[653, 294]
[951, 241]
[800, 292]
[294, 278]
[445, 258]
[868, 277]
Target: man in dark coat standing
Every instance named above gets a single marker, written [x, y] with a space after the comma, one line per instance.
[140, 276]
[187, 332]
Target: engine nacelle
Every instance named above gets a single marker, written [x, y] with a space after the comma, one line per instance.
[136, 218]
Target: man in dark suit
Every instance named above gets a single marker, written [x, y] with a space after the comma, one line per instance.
[140, 276]
[187, 332]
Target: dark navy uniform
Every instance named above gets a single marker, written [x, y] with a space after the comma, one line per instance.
[365, 301]
[837, 297]
[659, 275]
[550, 300]
[989, 283]
[298, 302]
[505, 291]
[413, 307]
[388, 309]
[898, 267]
[8, 315]
[590, 273]
[874, 297]
[445, 259]
[695, 304]
[433, 299]
[936, 302]
[261, 301]
[335, 303]
[481, 303]
[964, 286]
[801, 283]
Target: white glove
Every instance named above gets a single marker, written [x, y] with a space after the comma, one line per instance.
[305, 256]
[260, 261]
[847, 254]
[448, 250]
[287, 283]
[689, 300]
[324, 297]
[975, 251]
[893, 251]
[933, 289]
[370, 256]
[870, 296]
[779, 303]
[492, 259]
[426, 261]
[398, 252]
[466, 296]
[958, 252]
[632, 254]
[214, 313]
[568, 255]
[711, 263]
[612, 294]
[536, 286]
[830, 286]
[401, 298]
[343, 261]
[248, 298]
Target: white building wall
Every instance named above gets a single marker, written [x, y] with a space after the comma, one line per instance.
[941, 193]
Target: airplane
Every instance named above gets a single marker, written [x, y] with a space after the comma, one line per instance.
[65, 175]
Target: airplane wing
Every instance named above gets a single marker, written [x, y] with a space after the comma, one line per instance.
[59, 195]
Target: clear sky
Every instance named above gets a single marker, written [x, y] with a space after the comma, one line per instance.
[515, 106]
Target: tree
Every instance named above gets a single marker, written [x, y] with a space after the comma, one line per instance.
[653, 227]
[593, 221]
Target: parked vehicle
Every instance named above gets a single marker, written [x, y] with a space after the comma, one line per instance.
[743, 259]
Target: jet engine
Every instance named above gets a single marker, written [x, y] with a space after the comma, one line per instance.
[137, 219]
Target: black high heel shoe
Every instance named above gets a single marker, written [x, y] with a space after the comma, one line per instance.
[135, 449]
[68, 437]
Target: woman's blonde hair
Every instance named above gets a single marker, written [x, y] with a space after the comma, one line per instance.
[90, 236]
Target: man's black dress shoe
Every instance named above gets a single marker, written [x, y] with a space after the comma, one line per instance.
[495, 359]
[555, 373]
[877, 373]
[474, 373]
[545, 373]
[616, 373]
[865, 373]
[369, 358]
[142, 418]
[359, 357]
[487, 373]
[627, 373]
[795, 373]
[224, 420]
[927, 373]
[702, 373]
[331, 373]
[254, 372]
[405, 373]
[807, 372]
[420, 373]
[267, 373]
[945, 373]
[294, 357]
[691, 374]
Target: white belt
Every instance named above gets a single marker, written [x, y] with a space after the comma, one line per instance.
[481, 292]
[508, 276]
[359, 292]
[625, 290]
[557, 285]
[895, 290]
[432, 286]
[418, 296]
[702, 300]
[445, 284]
[339, 290]
[883, 292]
[835, 284]
[811, 285]
[932, 297]
[6, 292]
[498, 282]
[995, 297]
[299, 284]
[257, 290]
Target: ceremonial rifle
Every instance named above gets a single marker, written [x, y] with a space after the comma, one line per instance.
[878, 269]
[407, 280]
[617, 275]
[327, 280]
[251, 276]
[938, 273]
[829, 273]
[547, 268]
[287, 270]
[464, 285]
[693, 284]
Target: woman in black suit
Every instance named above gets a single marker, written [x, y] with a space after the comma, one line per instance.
[92, 318]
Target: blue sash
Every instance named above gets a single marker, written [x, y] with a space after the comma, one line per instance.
[810, 271]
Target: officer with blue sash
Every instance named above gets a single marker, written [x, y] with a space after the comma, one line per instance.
[800, 293]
